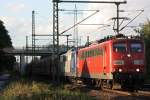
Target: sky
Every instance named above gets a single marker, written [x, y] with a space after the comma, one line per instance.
[17, 17]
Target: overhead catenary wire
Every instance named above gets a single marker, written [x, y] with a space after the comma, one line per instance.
[132, 20]
[75, 10]
[145, 7]
[141, 11]
[79, 22]
[93, 24]
[89, 1]
[98, 28]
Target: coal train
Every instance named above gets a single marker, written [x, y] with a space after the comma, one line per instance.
[105, 63]
[116, 60]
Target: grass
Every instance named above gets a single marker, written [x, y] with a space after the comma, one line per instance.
[31, 90]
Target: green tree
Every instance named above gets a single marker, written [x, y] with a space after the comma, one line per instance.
[6, 62]
[145, 34]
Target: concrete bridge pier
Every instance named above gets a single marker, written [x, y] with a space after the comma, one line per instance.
[22, 64]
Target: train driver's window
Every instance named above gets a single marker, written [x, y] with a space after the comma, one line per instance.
[119, 47]
[136, 47]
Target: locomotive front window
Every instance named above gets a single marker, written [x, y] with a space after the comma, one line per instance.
[119, 47]
[136, 47]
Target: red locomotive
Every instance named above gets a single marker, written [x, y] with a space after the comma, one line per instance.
[116, 60]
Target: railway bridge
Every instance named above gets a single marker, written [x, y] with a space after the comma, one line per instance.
[24, 53]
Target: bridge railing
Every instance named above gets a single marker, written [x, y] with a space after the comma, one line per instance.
[37, 49]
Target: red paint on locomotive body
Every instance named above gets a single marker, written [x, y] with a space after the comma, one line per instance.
[95, 61]
[104, 59]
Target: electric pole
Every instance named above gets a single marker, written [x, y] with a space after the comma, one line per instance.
[68, 40]
[33, 34]
[117, 4]
[27, 48]
[26, 42]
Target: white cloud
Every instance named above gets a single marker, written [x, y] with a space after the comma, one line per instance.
[20, 28]
[15, 7]
[44, 28]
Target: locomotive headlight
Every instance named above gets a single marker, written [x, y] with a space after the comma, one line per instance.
[138, 62]
[128, 55]
[137, 69]
[120, 70]
[118, 62]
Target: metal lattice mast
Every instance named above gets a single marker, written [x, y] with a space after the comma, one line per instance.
[76, 20]
[33, 34]
[27, 48]
[55, 27]
[117, 4]
[55, 69]
[75, 34]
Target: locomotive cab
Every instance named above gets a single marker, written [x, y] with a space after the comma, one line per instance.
[128, 60]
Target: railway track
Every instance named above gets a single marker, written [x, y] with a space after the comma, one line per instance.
[145, 91]
[108, 94]
[128, 93]
[79, 86]
[118, 92]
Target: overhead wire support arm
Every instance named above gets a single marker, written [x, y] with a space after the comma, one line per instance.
[93, 24]
[123, 21]
[67, 1]
[52, 35]
[132, 20]
[75, 10]
[44, 35]
[80, 22]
